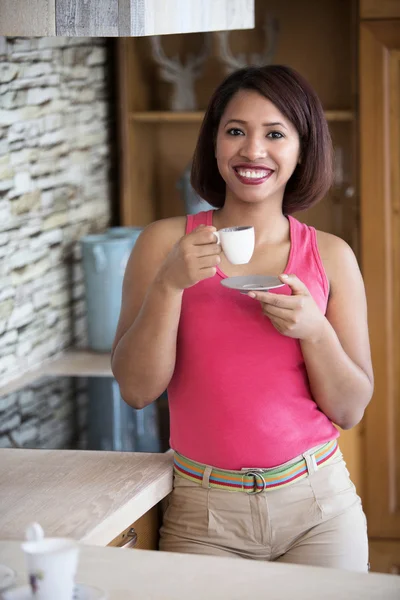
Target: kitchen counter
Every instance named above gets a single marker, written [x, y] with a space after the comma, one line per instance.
[85, 495]
[150, 575]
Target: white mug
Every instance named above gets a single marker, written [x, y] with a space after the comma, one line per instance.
[51, 565]
[237, 243]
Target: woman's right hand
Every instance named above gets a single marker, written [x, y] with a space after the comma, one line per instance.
[193, 258]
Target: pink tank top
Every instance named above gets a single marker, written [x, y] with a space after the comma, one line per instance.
[239, 396]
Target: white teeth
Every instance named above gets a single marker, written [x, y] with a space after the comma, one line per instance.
[252, 174]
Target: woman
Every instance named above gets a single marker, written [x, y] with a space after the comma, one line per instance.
[255, 382]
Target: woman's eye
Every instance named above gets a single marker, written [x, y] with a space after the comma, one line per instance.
[275, 135]
[234, 131]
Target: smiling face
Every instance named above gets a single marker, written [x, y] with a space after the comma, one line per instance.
[257, 148]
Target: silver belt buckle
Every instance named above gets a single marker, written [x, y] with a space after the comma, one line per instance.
[256, 473]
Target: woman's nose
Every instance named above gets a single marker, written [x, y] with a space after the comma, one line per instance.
[253, 148]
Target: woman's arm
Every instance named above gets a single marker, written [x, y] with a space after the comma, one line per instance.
[335, 347]
[163, 264]
[144, 349]
[338, 361]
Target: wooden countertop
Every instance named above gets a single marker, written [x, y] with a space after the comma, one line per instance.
[149, 575]
[86, 495]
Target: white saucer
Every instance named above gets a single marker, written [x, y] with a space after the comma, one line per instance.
[82, 592]
[252, 283]
[7, 577]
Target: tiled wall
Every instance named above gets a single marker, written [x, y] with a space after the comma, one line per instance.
[55, 147]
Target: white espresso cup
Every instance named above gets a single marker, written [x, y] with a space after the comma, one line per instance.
[237, 243]
[51, 564]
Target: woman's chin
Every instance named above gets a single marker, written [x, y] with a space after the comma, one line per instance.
[256, 194]
[253, 198]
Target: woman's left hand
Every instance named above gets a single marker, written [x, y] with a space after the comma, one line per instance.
[296, 316]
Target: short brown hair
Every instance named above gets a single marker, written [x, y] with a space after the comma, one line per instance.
[298, 102]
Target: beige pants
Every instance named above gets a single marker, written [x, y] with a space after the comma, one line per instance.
[316, 521]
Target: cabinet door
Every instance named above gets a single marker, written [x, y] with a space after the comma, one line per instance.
[142, 534]
[385, 557]
[380, 263]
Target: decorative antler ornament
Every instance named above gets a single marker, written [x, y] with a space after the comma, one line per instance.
[239, 61]
[182, 75]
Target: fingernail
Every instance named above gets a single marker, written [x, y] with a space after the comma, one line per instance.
[284, 276]
[251, 294]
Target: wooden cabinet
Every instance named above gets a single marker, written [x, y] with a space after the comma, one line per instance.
[142, 534]
[380, 257]
[385, 557]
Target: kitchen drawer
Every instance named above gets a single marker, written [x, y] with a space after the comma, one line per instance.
[385, 556]
[142, 534]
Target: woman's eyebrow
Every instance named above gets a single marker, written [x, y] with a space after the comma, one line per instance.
[270, 124]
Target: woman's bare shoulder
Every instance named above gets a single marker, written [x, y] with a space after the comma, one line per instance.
[331, 246]
[162, 235]
[337, 257]
[172, 227]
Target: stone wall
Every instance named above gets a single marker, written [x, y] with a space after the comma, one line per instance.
[55, 174]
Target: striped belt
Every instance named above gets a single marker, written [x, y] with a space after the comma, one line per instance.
[254, 481]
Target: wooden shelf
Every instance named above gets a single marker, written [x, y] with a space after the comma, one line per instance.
[81, 363]
[339, 115]
[72, 363]
[165, 116]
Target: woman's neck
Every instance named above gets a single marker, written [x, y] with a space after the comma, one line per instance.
[270, 224]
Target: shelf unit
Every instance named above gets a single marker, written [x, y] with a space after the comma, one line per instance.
[164, 116]
[71, 363]
[157, 144]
